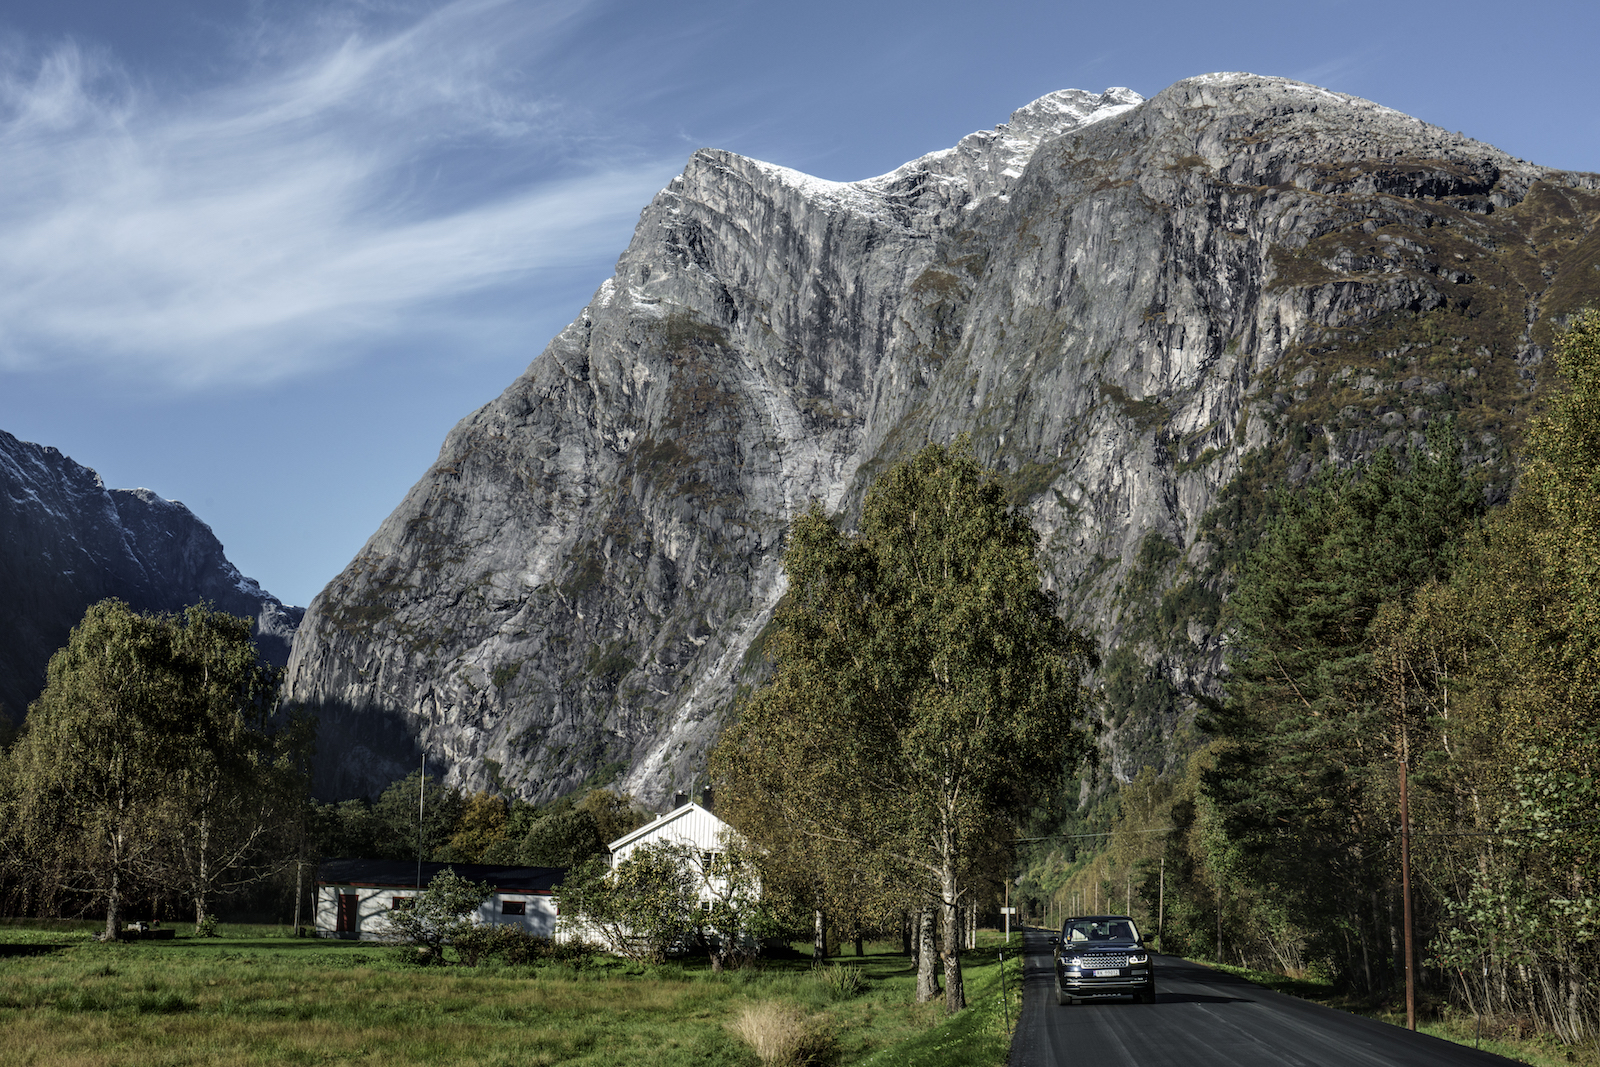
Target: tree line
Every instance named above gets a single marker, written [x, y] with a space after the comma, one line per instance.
[158, 774]
[155, 760]
[1391, 633]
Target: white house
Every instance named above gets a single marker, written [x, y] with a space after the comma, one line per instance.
[688, 824]
[355, 897]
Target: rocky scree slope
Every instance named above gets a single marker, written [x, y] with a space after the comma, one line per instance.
[1145, 312]
[66, 542]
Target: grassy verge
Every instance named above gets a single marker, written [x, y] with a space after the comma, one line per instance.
[1490, 1035]
[255, 997]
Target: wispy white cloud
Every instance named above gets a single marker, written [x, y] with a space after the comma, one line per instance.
[1340, 70]
[253, 229]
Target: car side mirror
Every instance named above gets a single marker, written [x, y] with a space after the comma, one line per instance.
[1055, 942]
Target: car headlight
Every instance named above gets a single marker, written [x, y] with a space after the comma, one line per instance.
[1074, 961]
[1139, 957]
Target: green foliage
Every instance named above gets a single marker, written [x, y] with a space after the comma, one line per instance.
[439, 915]
[480, 828]
[153, 757]
[1382, 629]
[641, 909]
[918, 664]
[1145, 414]
[562, 839]
[1303, 774]
[1495, 674]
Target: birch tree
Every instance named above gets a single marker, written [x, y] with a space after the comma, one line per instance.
[150, 760]
[926, 692]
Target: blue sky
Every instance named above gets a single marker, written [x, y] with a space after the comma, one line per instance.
[260, 256]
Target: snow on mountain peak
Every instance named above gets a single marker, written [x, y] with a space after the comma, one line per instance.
[980, 165]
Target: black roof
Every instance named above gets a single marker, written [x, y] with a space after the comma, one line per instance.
[402, 874]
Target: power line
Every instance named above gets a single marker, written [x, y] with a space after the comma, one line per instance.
[1109, 833]
[1502, 833]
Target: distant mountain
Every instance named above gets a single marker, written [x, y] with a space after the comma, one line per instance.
[66, 541]
[1147, 313]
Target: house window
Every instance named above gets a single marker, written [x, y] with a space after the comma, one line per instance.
[513, 907]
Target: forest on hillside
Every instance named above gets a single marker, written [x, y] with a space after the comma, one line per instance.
[1409, 673]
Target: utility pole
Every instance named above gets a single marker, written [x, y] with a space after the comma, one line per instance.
[1219, 917]
[1405, 880]
[422, 795]
[1161, 903]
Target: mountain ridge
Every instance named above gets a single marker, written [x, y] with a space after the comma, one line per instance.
[1164, 312]
[66, 542]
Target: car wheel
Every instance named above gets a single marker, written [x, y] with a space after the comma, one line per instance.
[1061, 997]
[1148, 996]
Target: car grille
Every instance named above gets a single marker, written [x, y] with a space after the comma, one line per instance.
[1105, 961]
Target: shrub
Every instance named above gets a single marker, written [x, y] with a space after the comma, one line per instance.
[438, 915]
[841, 982]
[475, 943]
[783, 1036]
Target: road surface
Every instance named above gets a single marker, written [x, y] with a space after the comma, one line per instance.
[1202, 1018]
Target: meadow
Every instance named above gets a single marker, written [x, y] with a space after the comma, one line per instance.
[254, 995]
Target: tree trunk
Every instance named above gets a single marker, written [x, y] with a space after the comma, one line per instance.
[906, 941]
[955, 993]
[819, 936]
[927, 978]
[203, 873]
[113, 908]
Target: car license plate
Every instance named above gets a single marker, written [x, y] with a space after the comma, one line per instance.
[1108, 974]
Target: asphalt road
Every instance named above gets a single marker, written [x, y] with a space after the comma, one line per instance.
[1203, 1017]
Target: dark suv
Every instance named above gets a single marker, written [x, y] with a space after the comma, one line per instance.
[1098, 955]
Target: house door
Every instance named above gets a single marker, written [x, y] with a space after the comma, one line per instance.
[347, 918]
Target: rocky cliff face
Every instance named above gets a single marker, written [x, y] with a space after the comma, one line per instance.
[1145, 312]
[66, 541]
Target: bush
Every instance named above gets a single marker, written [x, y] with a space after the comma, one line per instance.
[783, 1036]
[841, 982]
[439, 915]
[475, 943]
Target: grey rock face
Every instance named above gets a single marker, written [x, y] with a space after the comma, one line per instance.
[1140, 310]
[66, 541]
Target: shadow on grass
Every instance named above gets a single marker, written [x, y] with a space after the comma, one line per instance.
[41, 949]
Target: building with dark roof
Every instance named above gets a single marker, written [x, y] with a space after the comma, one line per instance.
[355, 897]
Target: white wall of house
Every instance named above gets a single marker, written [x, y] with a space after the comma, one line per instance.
[689, 825]
[374, 903]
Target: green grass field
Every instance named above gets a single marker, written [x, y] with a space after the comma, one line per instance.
[255, 996]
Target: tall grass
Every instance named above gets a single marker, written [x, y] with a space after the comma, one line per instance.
[263, 999]
[782, 1035]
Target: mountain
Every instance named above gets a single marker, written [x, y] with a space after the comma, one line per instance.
[66, 541]
[1146, 312]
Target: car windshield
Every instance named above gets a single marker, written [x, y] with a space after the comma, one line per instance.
[1084, 931]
